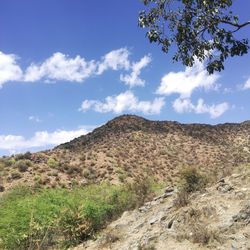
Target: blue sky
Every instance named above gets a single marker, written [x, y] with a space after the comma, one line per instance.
[69, 66]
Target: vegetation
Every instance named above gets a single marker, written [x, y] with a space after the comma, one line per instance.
[23, 165]
[49, 218]
[52, 163]
[191, 181]
[199, 29]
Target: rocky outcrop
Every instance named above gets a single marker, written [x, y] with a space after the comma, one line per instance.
[218, 218]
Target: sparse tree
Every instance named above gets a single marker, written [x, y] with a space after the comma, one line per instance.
[197, 29]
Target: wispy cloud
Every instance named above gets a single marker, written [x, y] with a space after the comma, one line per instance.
[34, 119]
[246, 85]
[184, 105]
[185, 82]
[133, 79]
[126, 101]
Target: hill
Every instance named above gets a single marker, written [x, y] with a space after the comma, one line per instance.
[131, 147]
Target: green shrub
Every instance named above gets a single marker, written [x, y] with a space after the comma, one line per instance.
[50, 218]
[7, 162]
[52, 163]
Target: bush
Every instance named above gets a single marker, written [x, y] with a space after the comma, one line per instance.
[143, 189]
[23, 165]
[52, 163]
[7, 162]
[192, 180]
[25, 156]
[202, 235]
[2, 188]
[50, 218]
[182, 199]
[15, 175]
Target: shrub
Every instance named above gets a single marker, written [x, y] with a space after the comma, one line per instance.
[51, 218]
[23, 165]
[182, 198]
[202, 235]
[25, 156]
[7, 162]
[52, 163]
[142, 188]
[109, 238]
[15, 175]
[192, 180]
[2, 188]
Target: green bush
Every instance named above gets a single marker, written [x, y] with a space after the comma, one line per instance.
[7, 162]
[50, 218]
[52, 163]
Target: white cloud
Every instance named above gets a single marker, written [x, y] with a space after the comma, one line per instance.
[185, 82]
[9, 70]
[126, 101]
[246, 84]
[133, 79]
[40, 139]
[184, 105]
[61, 67]
[116, 59]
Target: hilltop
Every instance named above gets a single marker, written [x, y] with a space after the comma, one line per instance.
[131, 147]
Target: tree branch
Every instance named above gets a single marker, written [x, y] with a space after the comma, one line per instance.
[238, 26]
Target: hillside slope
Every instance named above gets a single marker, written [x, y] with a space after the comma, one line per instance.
[217, 218]
[130, 147]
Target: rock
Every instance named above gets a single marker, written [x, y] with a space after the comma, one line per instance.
[224, 187]
[143, 209]
[240, 195]
[234, 245]
[163, 196]
[243, 215]
[169, 190]
[153, 220]
[140, 225]
[236, 175]
[222, 180]
[170, 223]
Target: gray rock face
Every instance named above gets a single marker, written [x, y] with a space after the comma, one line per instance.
[220, 217]
[224, 187]
[243, 215]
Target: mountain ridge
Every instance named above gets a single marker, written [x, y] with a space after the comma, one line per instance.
[130, 147]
